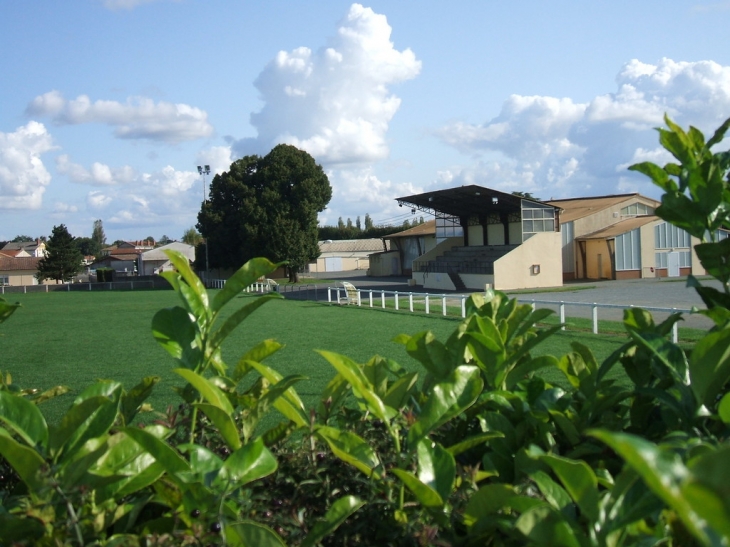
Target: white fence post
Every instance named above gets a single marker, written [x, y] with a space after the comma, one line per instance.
[395, 294]
[595, 318]
[444, 304]
[675, 329]
[463, 306]
[562, 315]
[427, 304]
[382, 299]
[410, 301]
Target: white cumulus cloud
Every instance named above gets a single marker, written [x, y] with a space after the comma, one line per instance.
[23, 177]
[137, 118]
[334, 103]
[98, 174]
[562, 148]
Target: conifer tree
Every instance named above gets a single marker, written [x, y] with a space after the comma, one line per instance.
[63, 258]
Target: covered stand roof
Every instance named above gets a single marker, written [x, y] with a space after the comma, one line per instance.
[466, 201]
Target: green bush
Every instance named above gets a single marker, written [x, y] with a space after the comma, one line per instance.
[476, 450]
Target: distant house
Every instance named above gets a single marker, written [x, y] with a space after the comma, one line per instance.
[404, 247]
[345, 254]
[24, 249]
[16, 272]
[155, 261]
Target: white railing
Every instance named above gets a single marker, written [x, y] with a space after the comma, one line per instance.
[426, 298]
[594, 312]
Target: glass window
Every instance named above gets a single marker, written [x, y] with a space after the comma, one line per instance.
[628, 251]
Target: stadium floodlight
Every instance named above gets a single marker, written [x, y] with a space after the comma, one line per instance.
[202, 171]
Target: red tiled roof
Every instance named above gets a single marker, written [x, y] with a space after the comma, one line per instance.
[14, 264]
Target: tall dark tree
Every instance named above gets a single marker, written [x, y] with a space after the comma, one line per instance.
[21, 239]
[368, 221]
[98, 237]
[63, 258]
[265, 206]
[357, 223]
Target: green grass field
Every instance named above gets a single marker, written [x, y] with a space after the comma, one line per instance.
[75, 338]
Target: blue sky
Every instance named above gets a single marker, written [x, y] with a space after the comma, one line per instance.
[108, 106]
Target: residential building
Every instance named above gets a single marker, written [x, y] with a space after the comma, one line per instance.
[155, 261]
[16, 272]
[24, 249]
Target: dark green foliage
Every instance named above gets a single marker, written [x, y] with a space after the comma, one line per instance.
[63, 259]
[265, 206]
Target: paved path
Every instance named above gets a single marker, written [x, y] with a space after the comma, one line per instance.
[648, 293]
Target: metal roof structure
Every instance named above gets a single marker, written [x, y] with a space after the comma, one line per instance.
[621, 227]
[575, 208]
[466, 201]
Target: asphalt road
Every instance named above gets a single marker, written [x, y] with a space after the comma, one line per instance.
[645, 293]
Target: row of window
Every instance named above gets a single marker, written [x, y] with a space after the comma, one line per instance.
[636, 209]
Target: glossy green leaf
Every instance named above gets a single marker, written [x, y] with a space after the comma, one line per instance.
[175, 330]
[24, 418]
[579, 481]
[160, 450]
[201, 459]
[249, 463]
[709, 366]
[486, 501]
[351, 371]
[209, 391]
[429, 352]
[26, 462]
[447, 400]
[91, 418]
[425, 494]
[335, 516]
[7, 309]
[554, 494]
[21, 529]
[662, 471]
[288, 403]
[258, 353]
[351, 449]
[223, 421]
[245, 276]
[400, 391]
[192, 291]
[133, 400]
[723, 408]
[237, 317]
[472, 441]
[546, 527]
[252, 534]
[436, 467]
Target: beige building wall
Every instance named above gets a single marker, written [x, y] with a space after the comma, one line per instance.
[648, 250]
[516, 270]
[381, 264]
[515, 233]
[476, 235]
[495, 234]
[18, 279]
[697, 268]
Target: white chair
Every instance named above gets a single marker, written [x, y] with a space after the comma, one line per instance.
[350, 294]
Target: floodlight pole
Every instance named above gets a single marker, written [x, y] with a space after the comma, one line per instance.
[205, 170]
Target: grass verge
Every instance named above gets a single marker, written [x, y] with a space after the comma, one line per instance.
[76, 338]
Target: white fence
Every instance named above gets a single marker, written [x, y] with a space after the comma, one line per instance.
[427, 299]
[377, 298]
[594, 311]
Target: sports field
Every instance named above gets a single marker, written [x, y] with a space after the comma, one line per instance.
[74, 338]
